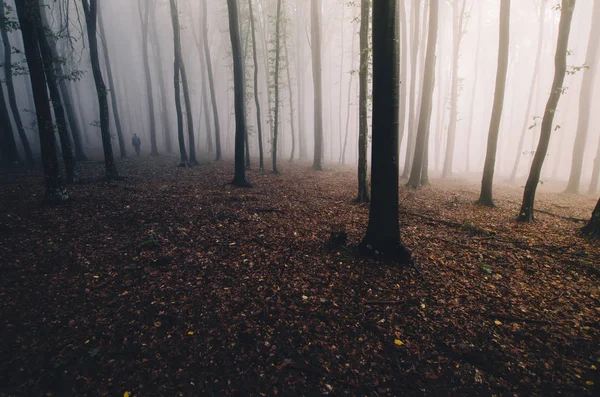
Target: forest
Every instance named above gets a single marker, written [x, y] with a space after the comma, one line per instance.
[299, 197]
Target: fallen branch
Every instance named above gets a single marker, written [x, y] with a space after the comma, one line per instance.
[269, 210]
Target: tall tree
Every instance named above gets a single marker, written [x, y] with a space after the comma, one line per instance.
[211, 82]
[560, 65]
[239, 178]
[532, 91]
[419, 160]
[315, 29]
[10, 87]
[458, 17]
[256, 96]
[276, 85]
[8, 145]
[383, 229]
[183, 159]
[55, 190]
[290, 91]
[485, 198]
[111, 83]
[363, 128]
[144, 11]
[592, 228]
[350, 85]
[90, 9]
[471, 124]
[585, 101]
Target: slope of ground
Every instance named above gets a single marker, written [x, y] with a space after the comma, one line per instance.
[173, 282]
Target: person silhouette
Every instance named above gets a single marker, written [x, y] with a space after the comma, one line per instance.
[136, 142]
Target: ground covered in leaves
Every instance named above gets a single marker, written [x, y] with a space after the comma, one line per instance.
[174, 283]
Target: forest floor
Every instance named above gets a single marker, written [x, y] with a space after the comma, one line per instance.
[172, 282]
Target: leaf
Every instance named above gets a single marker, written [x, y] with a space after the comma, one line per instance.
[190, 332]
[127, 394]
[497, 322]
[589, 383]
[157, 324]
[304, 297]
[398, 342]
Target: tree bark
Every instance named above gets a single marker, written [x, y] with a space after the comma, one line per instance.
[585, 101]
[486, 197]
[560, 64]
[315, 26]
[145, 16]
[532, 91]
[350, 81]
[383, 230]
[291, 92]
[91, 10]
[239, 178]
[276, 87]
[183, 159]
[113, 94]
[256, 96]
[55, 191]
[363, 128]
[426, 101]
[471, 125]
[593, 226]
[10, 88]
[211, 83]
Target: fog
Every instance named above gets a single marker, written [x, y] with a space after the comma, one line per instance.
[477, 64]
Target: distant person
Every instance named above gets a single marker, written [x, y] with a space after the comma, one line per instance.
[136, 142]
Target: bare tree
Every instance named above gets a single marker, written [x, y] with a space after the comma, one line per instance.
[363, 128]
[144, 11]
[560, 64]
[211, 82]
[183, 158]
[315, 26]
[276, 86]
[256, 96]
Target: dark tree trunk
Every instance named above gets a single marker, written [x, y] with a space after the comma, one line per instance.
[256, 96]
[560, 64]
[10, 88]
[532, 91]
[593, 226]
[176, 77]
[239, 178]
[164, 109]
[211, 83]
[289, 81]
[485, 198]
[59, 111]
[363, 128]
[426, 100]
[145, 17]
[315, 28]
[91, 10]
[55, 191]
[595, 172]
[383, 231]
[403, 53]
[188, 109]
[276, 86]
[111, 83]
[8, 146]
[585, 102]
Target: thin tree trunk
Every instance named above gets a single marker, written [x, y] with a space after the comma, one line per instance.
[486, 197]
[426, 100]
[403, 52]
[471, 125]
[8, 145]
[145, 17]
[256, 96]
[585, 101]
[532, 91]
[211, 83]
[363, 128]
[188, 109]
[317, 83]
[239, 85]
[560, 63]
[176, 77]
[111, 84]
[341, 79]
[55, 191]
[91, 10]
[289, 80]
[10, 88]
[277, 61]
[350, 81]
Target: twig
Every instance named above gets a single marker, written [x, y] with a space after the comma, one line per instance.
[269, 210]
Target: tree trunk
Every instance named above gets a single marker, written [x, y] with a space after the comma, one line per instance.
[351, 80]
[532, 91]
[595, 172]
[8, 145]
[188, 109]
[113, 94]
[341, 80]
[211, 83]
[256, 96]
[403, 53]
[276, 77]
[91, 11]
[164, 109]
[560, 63]
[315, 26]
[183, 159]
[289, 81]
[593, 226]
[55, 191]
[57, 105]
[363, 128]
[383, 231]
[458, 18]
[426, 100]
[411, 136]
[471, 125]
[145, 16]
[10, 88]
[239, 178]
[585, 101]
[485, 197]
